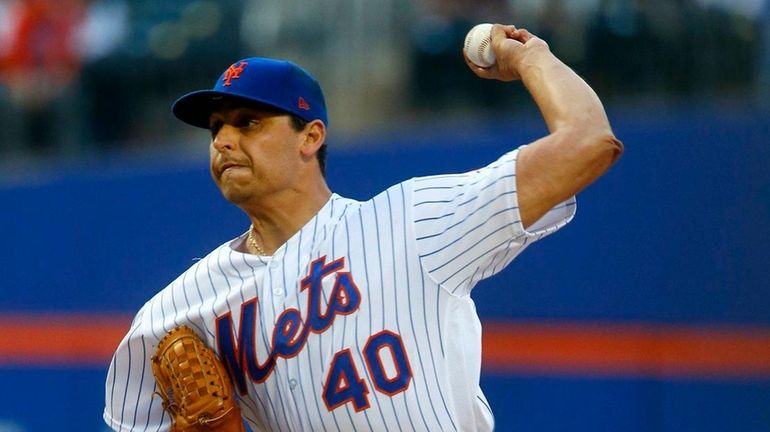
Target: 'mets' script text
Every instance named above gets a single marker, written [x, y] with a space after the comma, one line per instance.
[384, 354]
[290, 332]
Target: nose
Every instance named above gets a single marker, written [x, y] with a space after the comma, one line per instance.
[226, 138]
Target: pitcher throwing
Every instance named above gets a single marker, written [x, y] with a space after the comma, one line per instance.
[333, 314]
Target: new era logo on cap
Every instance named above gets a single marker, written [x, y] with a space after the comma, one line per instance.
[302, 104]
[233, 72]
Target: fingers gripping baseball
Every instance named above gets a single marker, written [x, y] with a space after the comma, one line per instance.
[510, 46]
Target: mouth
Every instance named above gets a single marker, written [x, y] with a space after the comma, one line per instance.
[228, 166]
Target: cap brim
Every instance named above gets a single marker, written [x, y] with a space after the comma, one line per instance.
[195, 108]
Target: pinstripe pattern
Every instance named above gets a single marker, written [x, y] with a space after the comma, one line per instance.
[413, 253]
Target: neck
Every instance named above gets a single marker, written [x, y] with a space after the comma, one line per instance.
[277, 218]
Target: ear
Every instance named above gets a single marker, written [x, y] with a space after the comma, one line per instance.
[315, 136]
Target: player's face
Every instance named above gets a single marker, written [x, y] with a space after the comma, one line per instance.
[254, 152]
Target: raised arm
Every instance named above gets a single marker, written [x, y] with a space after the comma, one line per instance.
[580, 146]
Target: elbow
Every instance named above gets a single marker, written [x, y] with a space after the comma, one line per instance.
[610, 146]
[601, 147]
[591, 141]
[590, 151]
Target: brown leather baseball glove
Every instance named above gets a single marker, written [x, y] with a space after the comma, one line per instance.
[194, 385]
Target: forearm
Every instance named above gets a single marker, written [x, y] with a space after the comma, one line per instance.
[580, 146]
[564, 99]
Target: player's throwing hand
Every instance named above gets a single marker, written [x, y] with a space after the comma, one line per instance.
[512, 47]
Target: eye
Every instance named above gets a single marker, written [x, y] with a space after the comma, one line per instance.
[249, 122]
[215, 126]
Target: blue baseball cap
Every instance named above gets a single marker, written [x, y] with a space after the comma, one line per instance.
[278, 83]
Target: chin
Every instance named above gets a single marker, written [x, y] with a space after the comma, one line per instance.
[235, 197]
[233, 194]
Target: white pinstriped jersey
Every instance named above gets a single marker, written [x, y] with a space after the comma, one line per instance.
[361, 321]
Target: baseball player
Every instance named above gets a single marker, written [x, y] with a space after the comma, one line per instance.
[333, 314]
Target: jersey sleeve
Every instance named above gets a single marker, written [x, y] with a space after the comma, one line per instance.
[130, 404]
[467, 226]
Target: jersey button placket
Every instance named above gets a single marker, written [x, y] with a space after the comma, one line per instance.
[274, 266]
[292, 383]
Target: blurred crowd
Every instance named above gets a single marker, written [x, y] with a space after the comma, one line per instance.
[80, 76]
[626, 49]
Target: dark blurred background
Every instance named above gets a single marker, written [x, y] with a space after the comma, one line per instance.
[649, 312]
[79, 77]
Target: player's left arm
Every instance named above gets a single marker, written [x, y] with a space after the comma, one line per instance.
[580, 146]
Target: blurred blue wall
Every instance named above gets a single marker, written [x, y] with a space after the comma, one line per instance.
[676, 232]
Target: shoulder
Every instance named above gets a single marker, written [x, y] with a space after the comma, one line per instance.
[339, 209]
[219, 262]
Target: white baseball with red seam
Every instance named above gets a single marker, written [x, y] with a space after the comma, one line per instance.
[478, 45]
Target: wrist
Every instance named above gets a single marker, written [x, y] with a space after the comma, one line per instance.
[533, 58]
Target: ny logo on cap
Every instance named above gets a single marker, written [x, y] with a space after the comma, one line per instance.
[233, 72]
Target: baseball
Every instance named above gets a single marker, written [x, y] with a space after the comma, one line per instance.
[478, 45]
